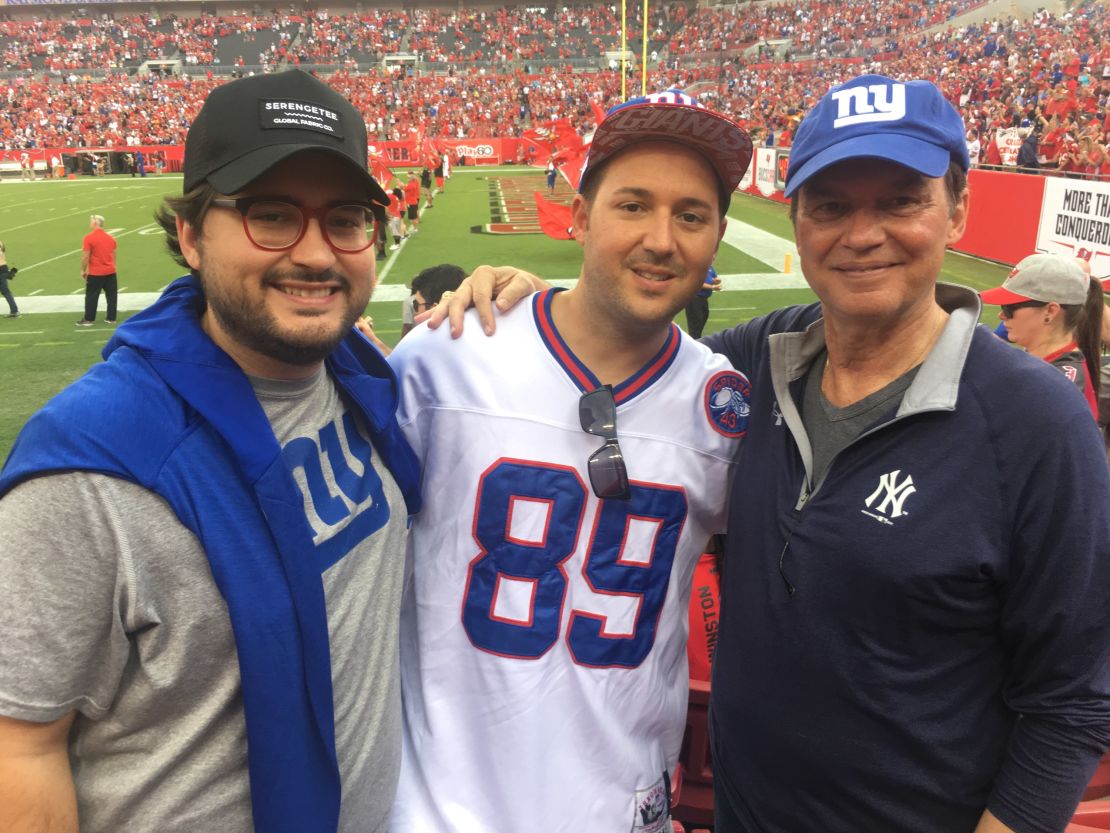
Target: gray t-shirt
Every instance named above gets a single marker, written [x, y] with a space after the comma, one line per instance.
[832, 429]
[108, 607]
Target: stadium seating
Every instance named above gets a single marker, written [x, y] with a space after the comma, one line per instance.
[500, 70]
[1100, 784]
[1090, 817]
[693, 783]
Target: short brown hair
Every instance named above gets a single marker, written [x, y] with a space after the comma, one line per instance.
[192, 207]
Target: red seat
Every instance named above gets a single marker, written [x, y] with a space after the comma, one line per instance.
[1093, 816]
[692, 791]
[1090, 816]
[1100, 784]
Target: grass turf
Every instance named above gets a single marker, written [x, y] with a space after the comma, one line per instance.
[42, 224]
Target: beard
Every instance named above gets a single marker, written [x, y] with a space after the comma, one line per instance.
[250, 323]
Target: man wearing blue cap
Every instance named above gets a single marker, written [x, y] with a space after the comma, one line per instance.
[915, 636]
[915, 631]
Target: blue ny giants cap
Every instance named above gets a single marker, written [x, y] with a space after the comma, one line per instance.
[673, 116]
[873, 116]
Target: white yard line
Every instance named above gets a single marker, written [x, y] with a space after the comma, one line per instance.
[72, 252]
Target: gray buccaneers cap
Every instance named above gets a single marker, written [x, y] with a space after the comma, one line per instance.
[249, 125]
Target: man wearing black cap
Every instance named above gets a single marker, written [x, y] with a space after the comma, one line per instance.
[543, 663]
[204, 535]
[915, 630]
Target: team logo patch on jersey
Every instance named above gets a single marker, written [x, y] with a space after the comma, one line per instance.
[653, 809]
[728, 403]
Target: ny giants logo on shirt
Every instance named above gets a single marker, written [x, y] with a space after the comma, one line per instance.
[344, 500]
[874, 103]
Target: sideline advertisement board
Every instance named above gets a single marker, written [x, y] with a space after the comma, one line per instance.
[1075, 219]
[766, 171]
[1012, 214]
[461, 151]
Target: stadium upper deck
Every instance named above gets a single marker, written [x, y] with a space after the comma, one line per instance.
[59, 42]
[1045, 70]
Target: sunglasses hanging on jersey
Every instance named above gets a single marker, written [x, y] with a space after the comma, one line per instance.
[597, 412]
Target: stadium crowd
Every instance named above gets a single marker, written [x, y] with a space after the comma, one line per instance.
[824, 28]
[1048, 74]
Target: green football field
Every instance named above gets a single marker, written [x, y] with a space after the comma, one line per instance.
[42, 224]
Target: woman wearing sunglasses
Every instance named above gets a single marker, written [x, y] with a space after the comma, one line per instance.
[1052, 307]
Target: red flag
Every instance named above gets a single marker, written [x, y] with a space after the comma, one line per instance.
[570, 161]
[541, 136]
[555, 218]
[430, 154]
[599, 112]
[565, 134]
[379, 169]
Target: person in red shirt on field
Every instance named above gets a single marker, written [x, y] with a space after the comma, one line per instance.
[412, 199]
[397, 216]
[98, 270]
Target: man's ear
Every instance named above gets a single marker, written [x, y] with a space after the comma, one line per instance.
[958, 221]
[580, 218]
[187, 238]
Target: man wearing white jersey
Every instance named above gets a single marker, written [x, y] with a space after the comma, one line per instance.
[543, 662]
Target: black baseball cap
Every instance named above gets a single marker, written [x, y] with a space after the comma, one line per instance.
[249, 125]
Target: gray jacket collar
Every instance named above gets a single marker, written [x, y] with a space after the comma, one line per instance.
[935, 385]
[934, 388]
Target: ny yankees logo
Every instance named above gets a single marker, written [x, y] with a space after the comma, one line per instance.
[876, 102]
[894, 495]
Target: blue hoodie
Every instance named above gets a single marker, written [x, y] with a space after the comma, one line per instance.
[170, 411]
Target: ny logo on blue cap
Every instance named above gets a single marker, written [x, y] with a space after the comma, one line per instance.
[873, 103]
[909, 123]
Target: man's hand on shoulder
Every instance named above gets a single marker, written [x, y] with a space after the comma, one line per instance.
[507, 284]
[365, 325]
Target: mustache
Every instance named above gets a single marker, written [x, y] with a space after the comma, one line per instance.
[277, 275]
[668, 263]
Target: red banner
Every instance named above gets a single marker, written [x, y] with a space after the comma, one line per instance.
[1005, 210]
[80, 159]
[415, 152]
[555, 218]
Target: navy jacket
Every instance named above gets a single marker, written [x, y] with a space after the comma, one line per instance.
[926, 632]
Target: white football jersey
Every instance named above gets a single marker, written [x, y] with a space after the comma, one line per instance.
[543, 636]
